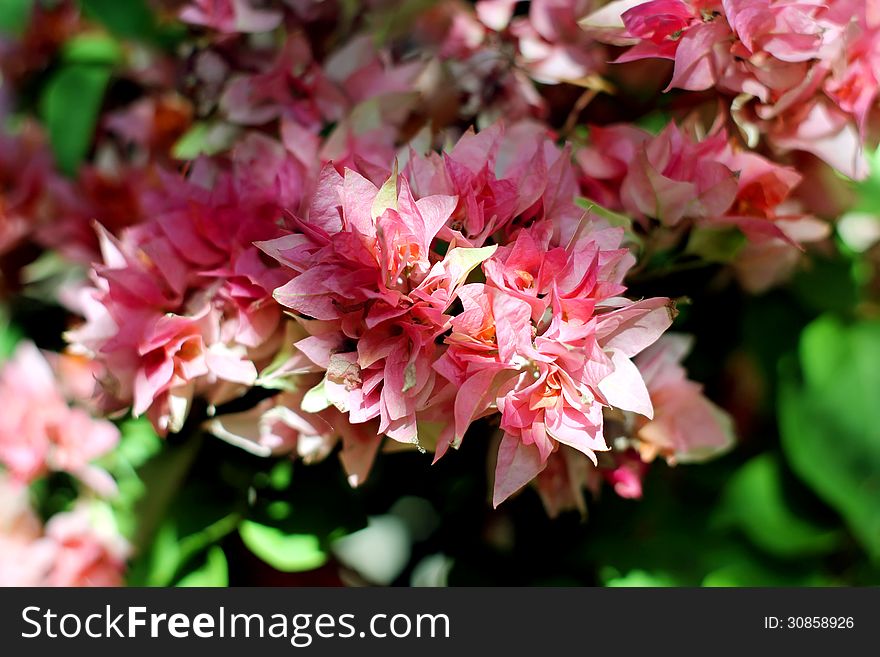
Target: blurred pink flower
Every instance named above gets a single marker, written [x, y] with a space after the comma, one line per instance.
[230, 16]
[25, 168]
[25, 557]
[76, 548]
[40, 433]
[87, 552]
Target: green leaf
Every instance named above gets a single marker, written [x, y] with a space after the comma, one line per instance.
[868, 190]
[281, 475]
[753, 573]
[286, 552]
[163, 476]
[823, 346]
[637, 578]
[614, 218]
[339, 512]
[755, 502]
[69, 107]
[386, 22]
[176, 545]
[214, 572]
[655, 121]
[14, 16]
[133, 19]
[277, 375]
[137, 445]
[830, 424]
[91, 48]
[139, 442]
[9, 335]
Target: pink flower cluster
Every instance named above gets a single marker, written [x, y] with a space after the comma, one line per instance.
[675, 176]
[357, 234]
[73, 549]
[40, 432]
[420, 327]
[46, 426]
[182, 303]
[803, 75]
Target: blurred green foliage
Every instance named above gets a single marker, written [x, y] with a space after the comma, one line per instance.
[830, 423]
[14, 15]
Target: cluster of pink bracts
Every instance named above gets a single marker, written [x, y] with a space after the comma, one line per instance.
[802, 75]
[395, 278]
[459, 287]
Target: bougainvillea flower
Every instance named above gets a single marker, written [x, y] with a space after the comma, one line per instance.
[88, 549]
[279, 425]
[503, 177]
[562, 482]
[80, 547]
[362, 264]
[41, 433]
[548, 342]
[182, 302]
[798, 73]
[25, 557]
[230, 16]
[686, 426]
[674, 176]
[378, 248]
[552, 48]
[762, 265]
